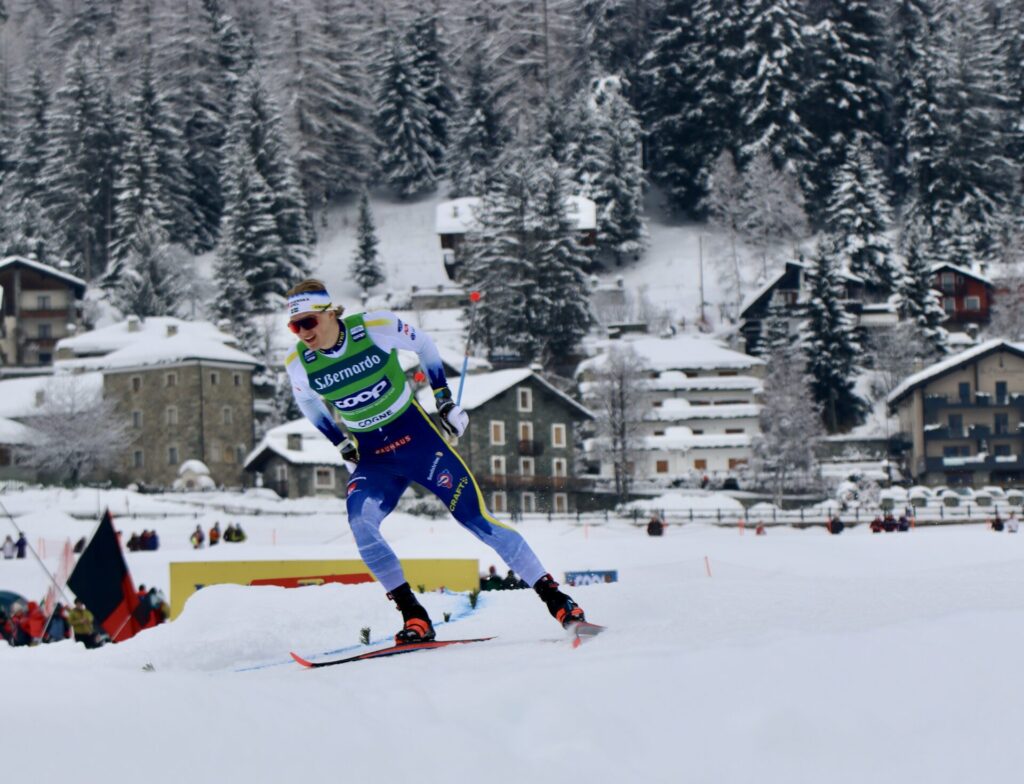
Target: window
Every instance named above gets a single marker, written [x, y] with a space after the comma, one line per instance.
[214, 378]
[172, 455]
[5, 456]
[171, 379]
[171, 416]
[1001, 396]
[526, 431]
[528, 503]
[499, 501]
[136, 383]
[656, 404]
[526, 466]
[558, 436]
[1002, 450]
[324, 477]
[43, 302]
[497, 465]
[948, 281]
[239, 454]
[733, 430]
[137, 458]
[736, 462]
[949, 305]
[497, 433]
[697, 432]
[226, 416]
[956, 425]
[136, 419]
[700, 465]
[964, 390]
[972, 303]
[559, 467]
[281, 472]
[45, 331]
[561, 503]
[956, 451]
[722, 373]
[229, 455]
[1002, 424]
[659, 432]
[215, 452]
[524, 397]
[237, 377]
[661, 467]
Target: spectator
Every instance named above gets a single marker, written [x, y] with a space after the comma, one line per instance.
[215, 534]
[161, 609]
[32, 623]
[134, 544]
[835, 525]
[239, 533]
[704, 482]
[655, 526]
[144, 540]
[80, 545]
[760, 530]
[21, 545]
[1011, 524]
[511, 582]
[876, 525]
[154, 540]
[197, 538]
[83, 625]
[492, 582]
[903, 524]
[57, 628]
[17, 634]
[889, 523]
[997, 523]
[6, 630]
[8, 548]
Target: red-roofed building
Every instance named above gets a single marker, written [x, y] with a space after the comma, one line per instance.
[966, 296]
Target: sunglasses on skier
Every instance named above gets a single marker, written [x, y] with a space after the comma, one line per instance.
[307, 324]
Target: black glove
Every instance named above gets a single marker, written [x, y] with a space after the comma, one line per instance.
[349, 451]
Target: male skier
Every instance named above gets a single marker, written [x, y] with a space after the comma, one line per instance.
[351, 364]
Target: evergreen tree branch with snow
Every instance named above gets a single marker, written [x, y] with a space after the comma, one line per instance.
[366, 267]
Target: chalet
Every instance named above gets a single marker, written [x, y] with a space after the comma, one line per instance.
[966, 295]
[40, 305]
[963, 417]
[296, 460]
[456, 218]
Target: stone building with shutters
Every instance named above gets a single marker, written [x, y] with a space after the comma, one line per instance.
[521, 442]
[183, 389]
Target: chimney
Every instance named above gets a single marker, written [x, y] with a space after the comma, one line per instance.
[172, 330]
[134, 324]
[295, 442]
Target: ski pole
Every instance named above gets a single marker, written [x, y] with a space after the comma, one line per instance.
[32, 550]
[474, 297]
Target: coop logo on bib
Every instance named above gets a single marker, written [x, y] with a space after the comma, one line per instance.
[364, 396]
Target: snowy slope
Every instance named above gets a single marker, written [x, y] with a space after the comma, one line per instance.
[802, 658]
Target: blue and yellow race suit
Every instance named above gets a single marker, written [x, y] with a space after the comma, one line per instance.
[398, 443]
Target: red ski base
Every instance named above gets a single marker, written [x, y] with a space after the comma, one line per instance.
[394, 650]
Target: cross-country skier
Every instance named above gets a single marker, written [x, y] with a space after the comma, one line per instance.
[351, 364]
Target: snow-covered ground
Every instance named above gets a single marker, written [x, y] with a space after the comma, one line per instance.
[803, 657]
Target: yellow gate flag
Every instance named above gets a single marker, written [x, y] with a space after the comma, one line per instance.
[455, 574]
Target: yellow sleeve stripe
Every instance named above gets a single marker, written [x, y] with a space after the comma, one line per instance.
[291, 357]
[378, 323]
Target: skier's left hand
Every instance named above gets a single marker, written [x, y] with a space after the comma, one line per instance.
[453, 419]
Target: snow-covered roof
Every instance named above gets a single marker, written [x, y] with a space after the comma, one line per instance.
[107, 340]
[23, 397]
[12, 432]
[753, 298]
[194, 466]
[674, 380]
[949, 364]
[677, 502]
[458, 216]
[682, 352]
[683, 438]
[46, 269]
[681, 410]
[316, 449]
[945, 265]
[481, 387]
[154, 344]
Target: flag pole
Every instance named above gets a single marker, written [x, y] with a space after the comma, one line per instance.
[35, 555]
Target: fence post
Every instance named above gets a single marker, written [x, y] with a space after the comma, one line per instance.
[801, 514]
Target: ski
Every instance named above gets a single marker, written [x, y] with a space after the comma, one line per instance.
[582, 631]
[394, 650]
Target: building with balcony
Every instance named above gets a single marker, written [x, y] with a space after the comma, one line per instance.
[40, 305]
[963, 418]
[966, 295]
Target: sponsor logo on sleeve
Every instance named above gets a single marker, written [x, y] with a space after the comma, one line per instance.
[309, 355]
[433, 466]
[444, 479]
[358, 333]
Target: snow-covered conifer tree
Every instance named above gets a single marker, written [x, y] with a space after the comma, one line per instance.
[366, 268]
[829, 341]
[408, 152]
[857, 215]
[430, 63]
[480, 134]
[773, 208]
[919, 302]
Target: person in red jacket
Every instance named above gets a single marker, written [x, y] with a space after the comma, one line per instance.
[33, 622]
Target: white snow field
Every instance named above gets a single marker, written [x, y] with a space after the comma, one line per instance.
[803, 657]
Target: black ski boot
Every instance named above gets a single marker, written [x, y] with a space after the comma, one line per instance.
[560, 605]
[418, 627]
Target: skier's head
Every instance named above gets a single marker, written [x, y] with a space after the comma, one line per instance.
[311, 314]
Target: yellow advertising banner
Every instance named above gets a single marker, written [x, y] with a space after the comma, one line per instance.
[455, 574]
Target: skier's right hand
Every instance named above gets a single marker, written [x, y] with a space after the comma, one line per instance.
[349, 454]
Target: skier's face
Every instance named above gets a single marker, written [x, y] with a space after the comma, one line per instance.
[313, 328]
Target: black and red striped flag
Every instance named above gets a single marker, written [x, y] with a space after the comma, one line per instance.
[102, 581]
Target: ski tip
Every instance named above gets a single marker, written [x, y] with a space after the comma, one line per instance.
[300, 660]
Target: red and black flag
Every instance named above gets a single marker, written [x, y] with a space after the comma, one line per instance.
[102, 581]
